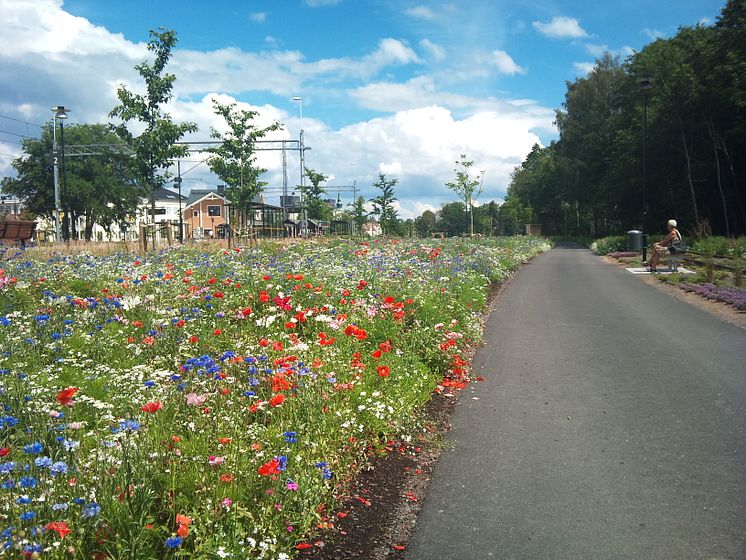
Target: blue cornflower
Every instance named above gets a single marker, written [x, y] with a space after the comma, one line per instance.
[33, 448]
[59, 467]
[249, 394]
[91, 510]
[174, 542]
[24, 500]
[28, 482]
[56, 336]
[42, 318]
[8, 421]
[43, 462]
[70, 445]
[60, 507]
[8, 484]
[283, 463]
[27, 515]
[129, 425]
[4, 321]
[30, 549]
[78, 501]
[291, 437]
[149, 383]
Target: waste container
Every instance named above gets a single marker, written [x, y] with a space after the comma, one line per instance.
[634, 240]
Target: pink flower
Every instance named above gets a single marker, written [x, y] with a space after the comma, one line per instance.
[194, 399]
[215, 461]
[292, 485]
[227, 503]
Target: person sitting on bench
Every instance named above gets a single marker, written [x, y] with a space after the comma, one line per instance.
[662, 248]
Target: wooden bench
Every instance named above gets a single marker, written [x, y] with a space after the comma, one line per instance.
[12, 228]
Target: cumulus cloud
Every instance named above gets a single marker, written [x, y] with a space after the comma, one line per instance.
[505, 64]
[258, 17]
[436, 51]
[561, 28]
[50, 57]
[421, 12]
[584, 68]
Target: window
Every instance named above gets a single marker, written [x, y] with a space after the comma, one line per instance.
[213, 210]
[196, 214]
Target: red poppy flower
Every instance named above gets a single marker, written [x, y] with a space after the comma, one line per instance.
[303, 546]
[269, 468]
[277, 400]
[383, 371]
[5, 451]
[152, 406]
[59, 527]
[65, 397]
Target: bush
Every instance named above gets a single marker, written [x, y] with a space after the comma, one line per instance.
[606, 245]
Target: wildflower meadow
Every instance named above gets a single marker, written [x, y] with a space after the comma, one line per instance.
[194, 404]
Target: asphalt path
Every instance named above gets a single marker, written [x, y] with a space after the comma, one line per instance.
[611, 423]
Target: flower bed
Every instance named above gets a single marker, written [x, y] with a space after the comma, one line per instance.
[733, 296]
[208, 405]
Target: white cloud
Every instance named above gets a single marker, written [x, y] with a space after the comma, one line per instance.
[653, 34]
[584, 67]
[505, 64]
[421, 12]
[51, 57]
[318, 3]
[258, 17]
[561, 28]
[434, 50]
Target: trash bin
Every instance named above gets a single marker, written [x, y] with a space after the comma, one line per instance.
[634, 240]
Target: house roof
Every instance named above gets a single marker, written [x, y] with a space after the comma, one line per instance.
[166, 195]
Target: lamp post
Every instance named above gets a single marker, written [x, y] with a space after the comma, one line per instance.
[59, 112]
[645, 85]
[304, 215]
[177, 180]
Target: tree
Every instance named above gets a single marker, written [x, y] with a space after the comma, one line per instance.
[467, 189]
[234, 159]
[383, 204]
[156, 147]
[359, 214]
[318, 209]
[100, 187]
[424, 224]
[453, 219]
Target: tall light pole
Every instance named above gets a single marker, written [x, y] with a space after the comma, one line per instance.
[304, 215]
[645, 85]
[59, 112]
[177, 180]
[354, 195]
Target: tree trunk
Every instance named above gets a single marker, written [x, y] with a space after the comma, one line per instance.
[715, 147]
[739, 202]
[689, 179]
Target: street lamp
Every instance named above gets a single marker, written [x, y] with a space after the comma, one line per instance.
[304, 215]
[177, 180]
[60, 113]
[645, 85]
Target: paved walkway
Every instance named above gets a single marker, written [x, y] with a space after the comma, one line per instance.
[611, 424]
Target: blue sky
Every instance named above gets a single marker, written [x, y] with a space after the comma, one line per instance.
[388, 86]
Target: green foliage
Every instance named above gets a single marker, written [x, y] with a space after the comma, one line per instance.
[156, 146]
[383, 205]
[318, 209]
[100, 187]
[607, 245]
[234, 159]
[590, 182]
[466, 187]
